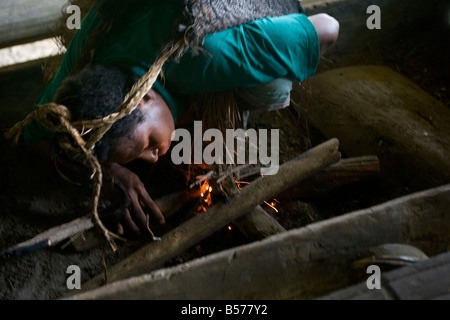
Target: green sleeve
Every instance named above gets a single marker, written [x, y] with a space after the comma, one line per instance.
[36, 131]
[249, 55]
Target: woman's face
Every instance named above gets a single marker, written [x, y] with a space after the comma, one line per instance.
[152, 137]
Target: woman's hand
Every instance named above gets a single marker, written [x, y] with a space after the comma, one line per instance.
[141, 204]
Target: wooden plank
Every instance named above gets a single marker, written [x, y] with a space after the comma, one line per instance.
[306, 263]
[28, 20]
[424, 280]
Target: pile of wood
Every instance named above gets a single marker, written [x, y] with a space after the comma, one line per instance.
[387, 128]
[374, 111]
[304, 263]
[316, 259]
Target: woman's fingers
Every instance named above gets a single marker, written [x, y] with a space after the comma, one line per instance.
[120, 230]
[153, 208]
[128, 221]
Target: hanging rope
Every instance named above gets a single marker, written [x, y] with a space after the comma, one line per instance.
[57, 118]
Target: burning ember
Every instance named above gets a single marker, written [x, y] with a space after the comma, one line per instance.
[206, 202]
[271, 204]
[206, 199]
[205, 194]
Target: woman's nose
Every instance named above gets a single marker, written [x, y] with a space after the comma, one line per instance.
[150, 155]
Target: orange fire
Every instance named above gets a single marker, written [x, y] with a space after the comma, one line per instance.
[272, 204]
[205, 194]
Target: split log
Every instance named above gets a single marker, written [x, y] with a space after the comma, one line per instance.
[374, 110]
[344, 172]
[198, 228]
[305, 263]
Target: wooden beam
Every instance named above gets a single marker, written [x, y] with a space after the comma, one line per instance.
[28, 20]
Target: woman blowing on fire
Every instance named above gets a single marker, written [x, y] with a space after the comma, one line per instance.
[259, 59]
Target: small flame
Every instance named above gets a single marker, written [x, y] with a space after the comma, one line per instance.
[240, 183]
[205, 188]
[205, 194]
[272, 205]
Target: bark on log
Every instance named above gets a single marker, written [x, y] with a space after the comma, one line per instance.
[200, 227]
[374, 110]
[258, 225]
[304, 263]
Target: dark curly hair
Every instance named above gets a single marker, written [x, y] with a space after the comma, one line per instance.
[96, 92]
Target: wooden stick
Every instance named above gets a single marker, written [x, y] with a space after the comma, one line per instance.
[202, 226]
[50, 237]
[168, 205]
[258, 224]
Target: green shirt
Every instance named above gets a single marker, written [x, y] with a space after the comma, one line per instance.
[243, 56]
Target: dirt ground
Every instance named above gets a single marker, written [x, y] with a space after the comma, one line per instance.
[34, 198]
